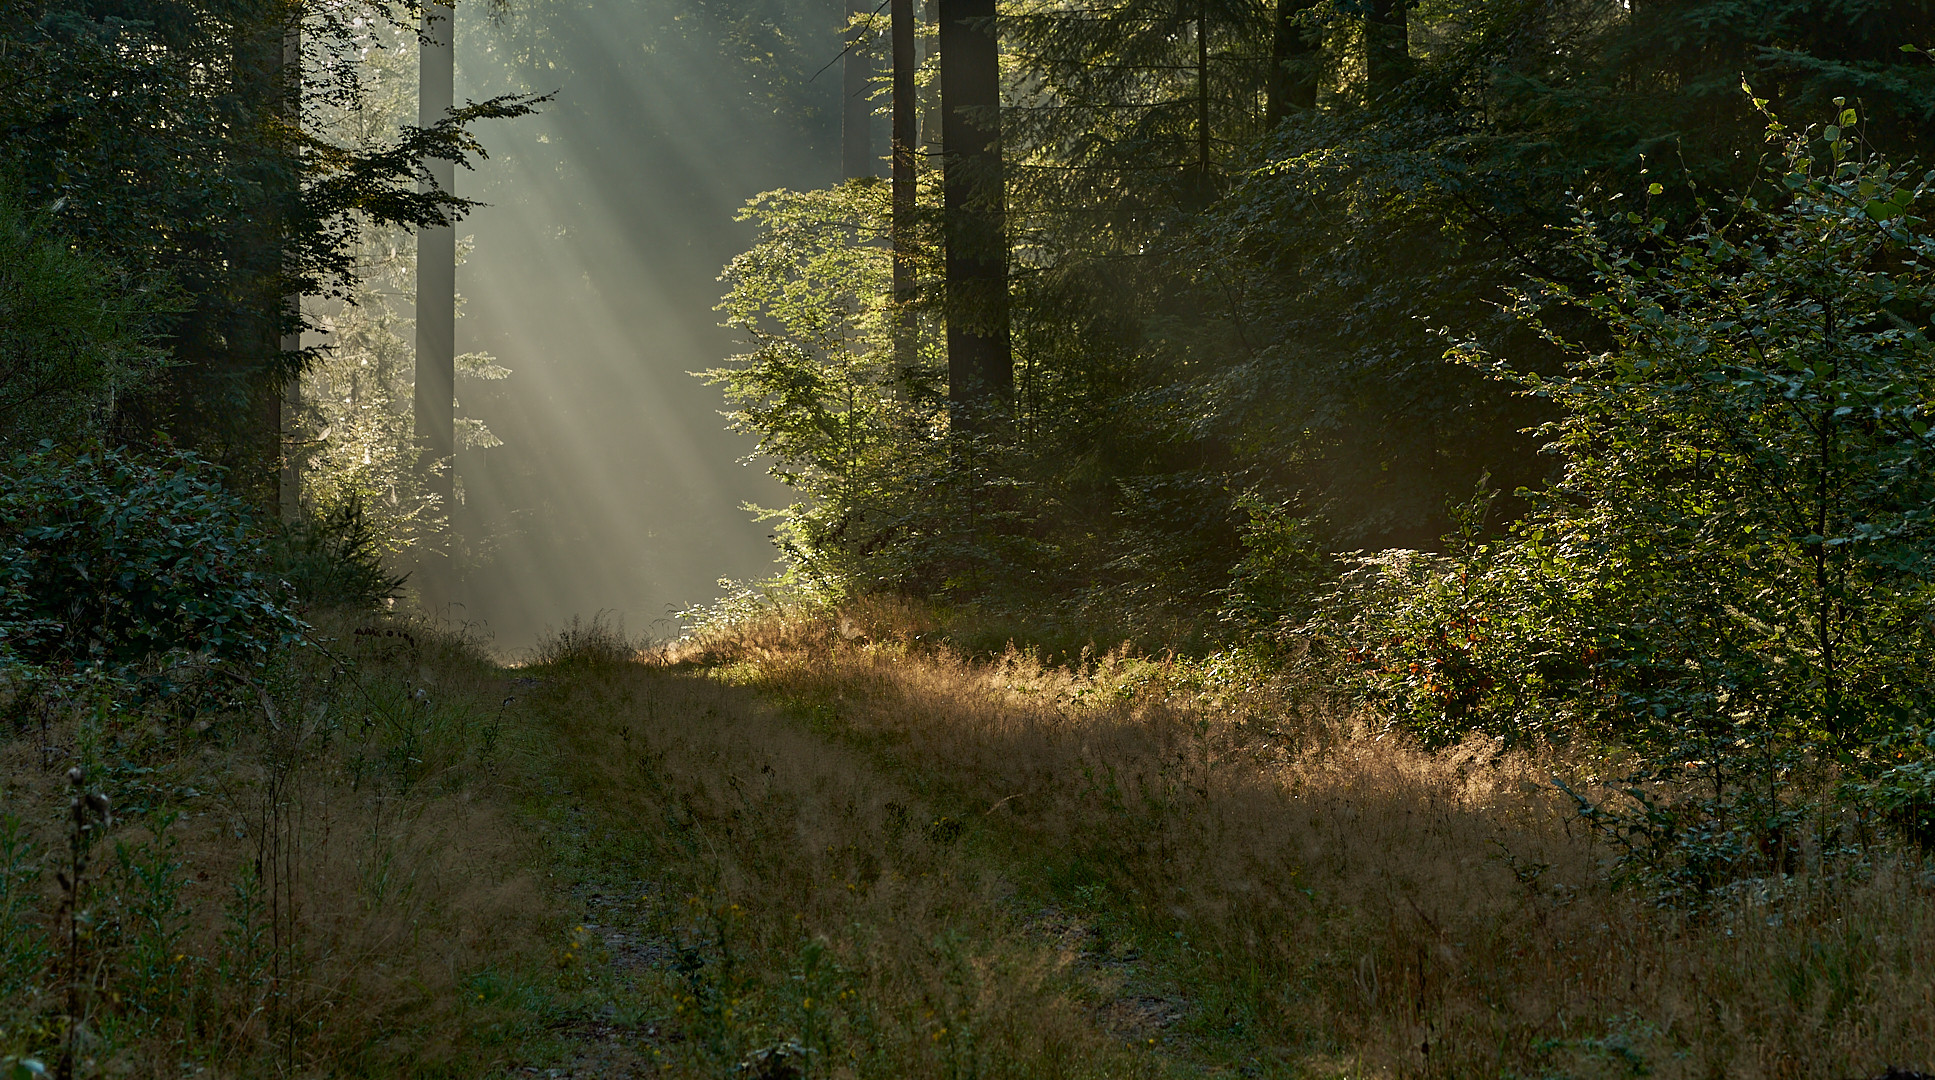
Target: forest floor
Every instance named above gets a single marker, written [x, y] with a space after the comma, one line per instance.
[839, 847]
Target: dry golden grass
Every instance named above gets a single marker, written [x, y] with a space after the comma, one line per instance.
[757, 883]
[1311, 897]
[344, 889]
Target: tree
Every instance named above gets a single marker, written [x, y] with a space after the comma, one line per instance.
[856, 106]
[76, 335]
[904, 175]
[980, 360]
[1293, 76]
[163, 139]
[1387, 45]
[436, 300]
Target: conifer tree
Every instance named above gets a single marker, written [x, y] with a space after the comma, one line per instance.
[980, 360]
[436, 296]
[904, 150]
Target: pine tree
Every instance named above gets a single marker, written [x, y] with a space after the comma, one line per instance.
[980, 359]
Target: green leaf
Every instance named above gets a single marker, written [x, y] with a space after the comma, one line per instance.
[1655, 189]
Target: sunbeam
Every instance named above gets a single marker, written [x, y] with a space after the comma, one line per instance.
[593, 279]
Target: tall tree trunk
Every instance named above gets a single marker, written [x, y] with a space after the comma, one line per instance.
[1387, 45]
[903, 191]
[436, 307]
[856, 120]
[255, 351]
[930, 95]
[1293, 75]
[1202, 94]
[980, 358]
[290, 403]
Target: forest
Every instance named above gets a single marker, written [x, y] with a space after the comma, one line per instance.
[1313, 538]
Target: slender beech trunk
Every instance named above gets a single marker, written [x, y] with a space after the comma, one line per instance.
[1202, 93]
[903, 190]
[856, 142]
[436, 312]
[256, 343]
[980, 358]
[1293, 75]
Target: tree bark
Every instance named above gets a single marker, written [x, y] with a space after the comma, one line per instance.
[980, 359]
[1293, 76]
[901, 227]
[255, 349]
[1202, 93]
[1387, 45]
[289, 405]
[930, 96]
[436, 307]
[856, 141]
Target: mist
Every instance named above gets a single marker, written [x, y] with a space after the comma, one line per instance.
[592, 277]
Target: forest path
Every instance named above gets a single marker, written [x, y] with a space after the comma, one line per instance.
[824, 849]
[769, 888]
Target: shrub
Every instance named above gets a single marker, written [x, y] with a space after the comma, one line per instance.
[106, 559]
[334, 558]
[1732, 574]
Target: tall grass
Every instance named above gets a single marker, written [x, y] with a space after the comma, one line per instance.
[320, 874]
[1302, 891]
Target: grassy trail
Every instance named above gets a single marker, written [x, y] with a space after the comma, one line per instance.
[808, 852]
[753, 880]
[835, 848]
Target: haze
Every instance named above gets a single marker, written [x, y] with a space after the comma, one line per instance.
[618, 489]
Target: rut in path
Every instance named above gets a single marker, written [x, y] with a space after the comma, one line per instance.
[777, 884]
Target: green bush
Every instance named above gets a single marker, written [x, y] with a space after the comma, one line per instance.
[106, 560]
[1733, 574]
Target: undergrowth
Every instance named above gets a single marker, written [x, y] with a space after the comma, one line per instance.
[320, 871]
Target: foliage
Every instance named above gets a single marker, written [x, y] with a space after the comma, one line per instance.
[334, 557]
[108, 559]
[1208, 309]
[75, 336]
[355, 428]
[1731, 574]
[860, 438]
[177, 139]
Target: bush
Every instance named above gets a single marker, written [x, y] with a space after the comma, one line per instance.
[106, 559]
[1733, 575]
